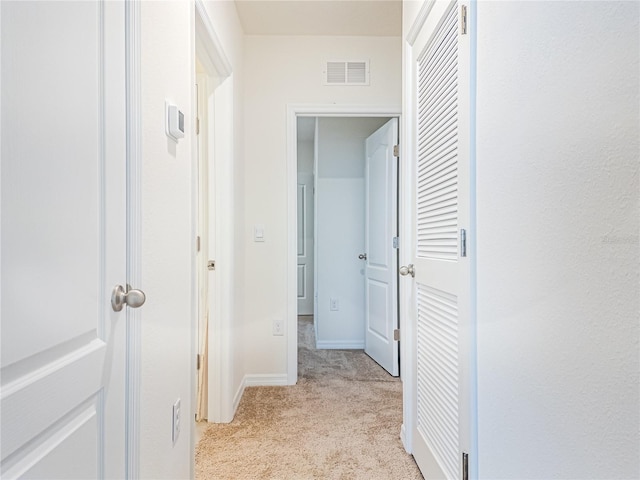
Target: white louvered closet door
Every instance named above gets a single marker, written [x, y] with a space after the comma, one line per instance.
[440, 65]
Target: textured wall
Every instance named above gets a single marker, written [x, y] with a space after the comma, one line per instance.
[557, 239]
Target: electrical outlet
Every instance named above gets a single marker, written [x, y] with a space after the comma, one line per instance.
[277, 327]
[334, 305]
[176, 422]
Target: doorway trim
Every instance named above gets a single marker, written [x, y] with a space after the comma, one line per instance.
[208, 49]
[293, 112]
[134, 233]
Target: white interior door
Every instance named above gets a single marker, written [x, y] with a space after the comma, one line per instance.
[381, 271]
[441, 288]
[305, 244]
[63, 139]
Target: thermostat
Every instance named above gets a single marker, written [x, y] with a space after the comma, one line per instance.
[175, 122]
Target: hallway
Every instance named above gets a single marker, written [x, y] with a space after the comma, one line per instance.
[342, 420]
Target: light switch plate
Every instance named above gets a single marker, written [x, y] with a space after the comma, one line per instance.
[258, 233]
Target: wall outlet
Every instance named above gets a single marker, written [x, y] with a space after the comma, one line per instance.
[334, 304]
[278, 329]
[176, 422]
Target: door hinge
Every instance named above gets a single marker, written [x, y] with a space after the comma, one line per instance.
[396, 334]
[198, 243]
[463, 242]
[197, 126]
[211, 264]
[465, 466]
[463, 19]
[396, 150]
[396, 242]
[198, 361]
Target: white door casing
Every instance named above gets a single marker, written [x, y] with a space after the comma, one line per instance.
[305, 244]
[381, 263]
[441, 300]
[64, 227]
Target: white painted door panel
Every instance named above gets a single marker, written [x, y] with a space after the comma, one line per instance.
[441, 288]
[381, 272]
[63, 139]
[305, 244]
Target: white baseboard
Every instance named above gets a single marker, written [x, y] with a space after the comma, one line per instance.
[258, 380]
[340, 345]
[403, 438]
[265, 380]
[237, 397]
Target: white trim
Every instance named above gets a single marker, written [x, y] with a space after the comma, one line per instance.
[213, 52]
[419, 21]
[265, 380]
[308, 110]
[210, 52]
[340, 345]
[403, 437]
[257, 380]
[134, 233]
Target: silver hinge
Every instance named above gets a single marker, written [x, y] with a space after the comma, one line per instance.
[396, 150]
[198, 359]
[396, 334]
[463, 19]
[465, 466]
[396, 242]
[463, 242]
[197, 126]
[211, 264]
[198, 243]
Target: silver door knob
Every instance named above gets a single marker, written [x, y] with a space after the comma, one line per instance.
[362, 256]
[119, 298]
[408, 270]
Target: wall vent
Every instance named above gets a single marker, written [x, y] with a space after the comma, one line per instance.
[346, 72]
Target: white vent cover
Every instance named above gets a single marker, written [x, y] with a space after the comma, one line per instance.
[346, 73]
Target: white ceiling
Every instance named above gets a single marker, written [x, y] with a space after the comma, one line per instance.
[321, 17]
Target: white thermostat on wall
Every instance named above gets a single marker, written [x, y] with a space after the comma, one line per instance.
[175, 122]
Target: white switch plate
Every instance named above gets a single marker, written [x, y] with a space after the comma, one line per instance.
[176, 422]
[258, 233]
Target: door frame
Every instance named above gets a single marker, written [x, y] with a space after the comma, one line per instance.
[293, 112]
[134, 233]
[208, 48]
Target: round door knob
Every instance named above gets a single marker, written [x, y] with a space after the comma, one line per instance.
[362, 256]
[408, 270]
[119, 298]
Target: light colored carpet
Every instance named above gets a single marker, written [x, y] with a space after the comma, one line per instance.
[341, 421]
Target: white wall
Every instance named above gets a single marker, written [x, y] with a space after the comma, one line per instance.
[340, 198]
[166, 318]
[167, 322]
[281, 71]
[557, 240]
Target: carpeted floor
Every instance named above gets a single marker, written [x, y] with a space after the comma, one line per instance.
[341, 421]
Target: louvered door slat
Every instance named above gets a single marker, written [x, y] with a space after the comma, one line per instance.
[438, 374]
[437, 144]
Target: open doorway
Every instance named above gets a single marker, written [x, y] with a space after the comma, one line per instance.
[347, 233]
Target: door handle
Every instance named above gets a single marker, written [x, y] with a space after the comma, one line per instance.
[408, 270]
[362, 256]
[132, 297]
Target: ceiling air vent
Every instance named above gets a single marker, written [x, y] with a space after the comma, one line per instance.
[346, 73]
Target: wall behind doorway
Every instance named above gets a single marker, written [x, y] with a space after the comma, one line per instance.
[281, 71]
[340, 199]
